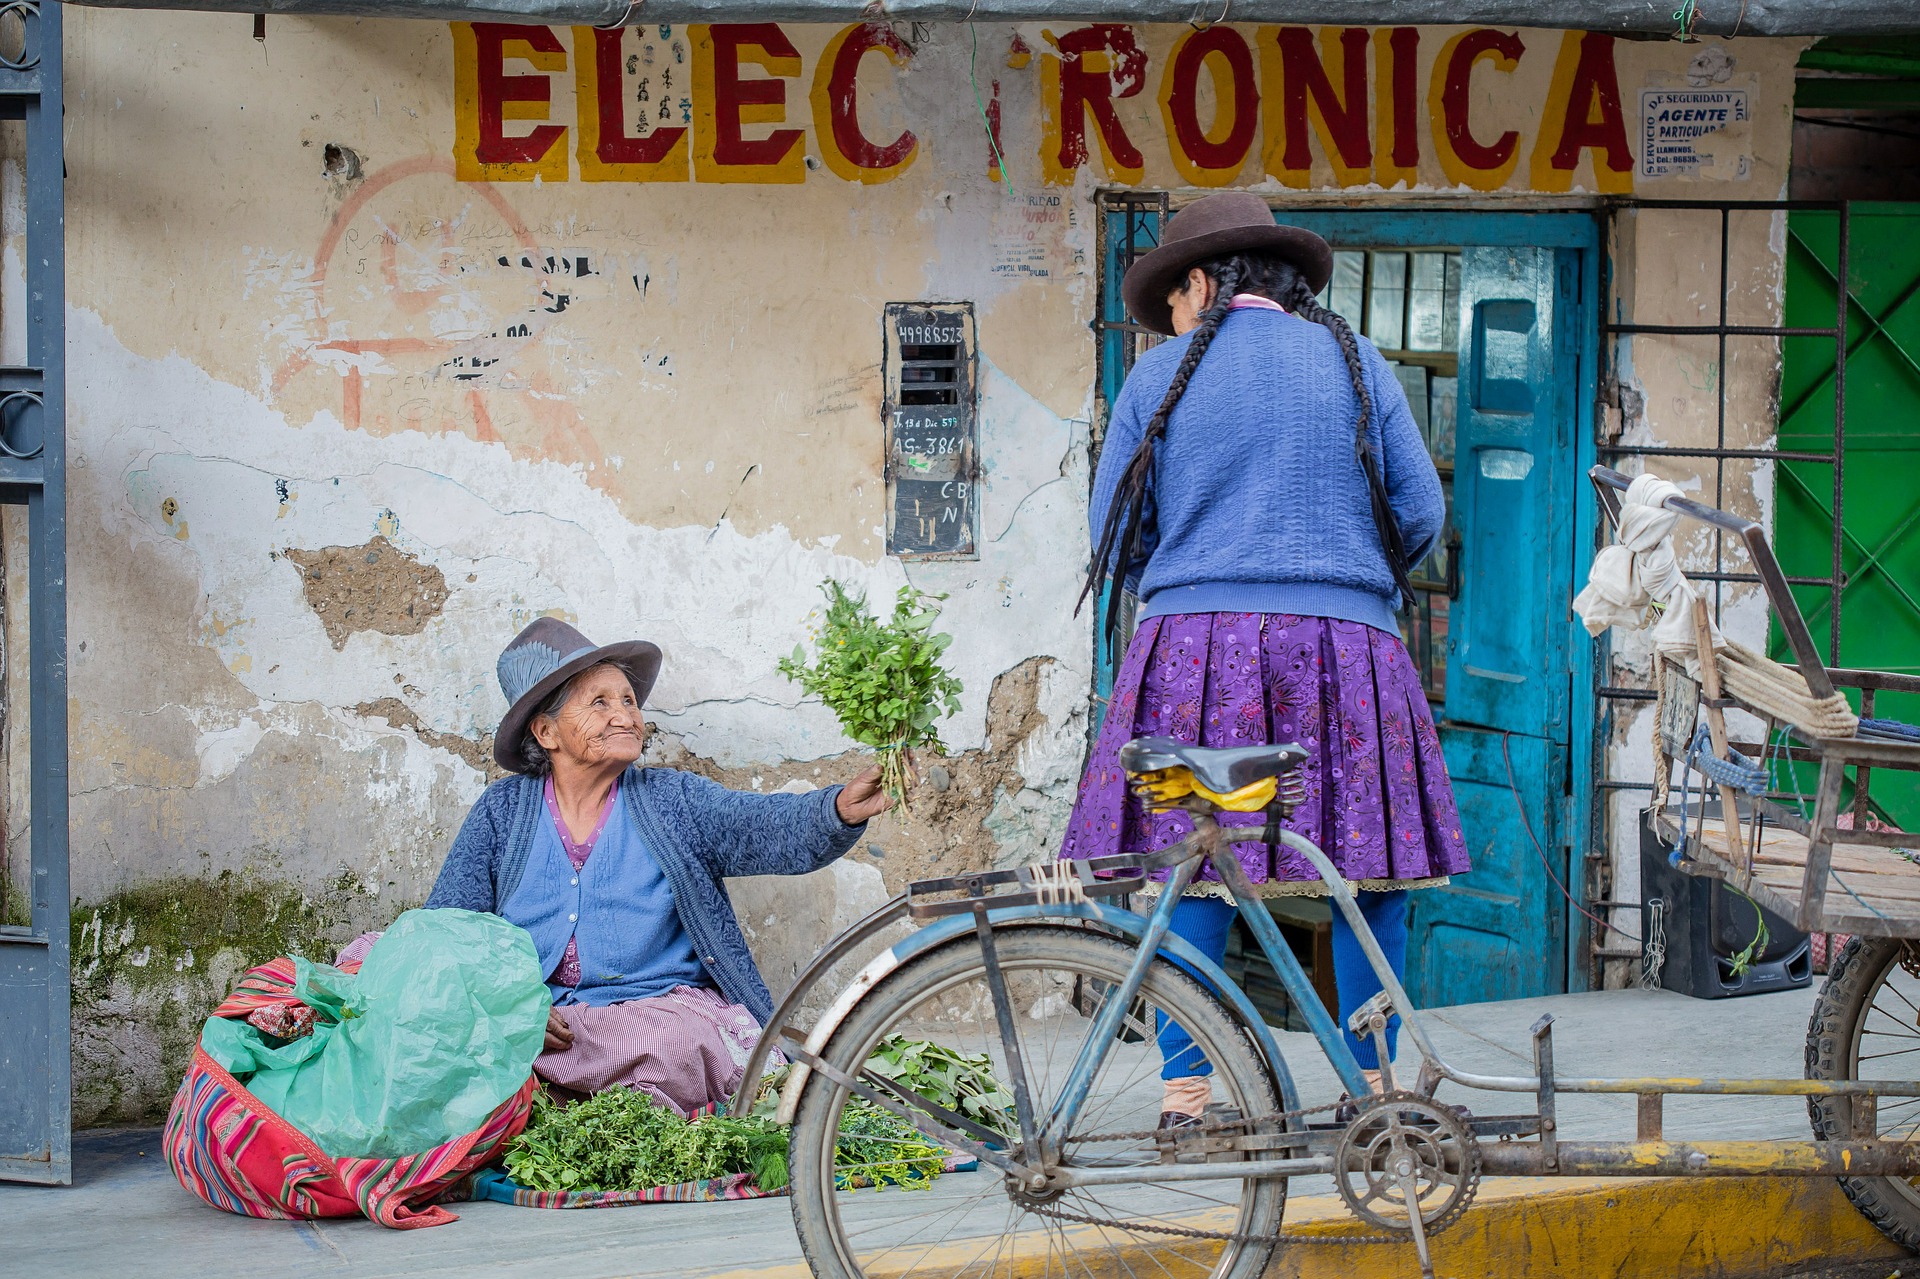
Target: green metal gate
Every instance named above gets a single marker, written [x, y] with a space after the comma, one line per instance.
[1873, 619]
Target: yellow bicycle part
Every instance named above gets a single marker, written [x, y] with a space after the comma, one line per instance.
[1164, 788]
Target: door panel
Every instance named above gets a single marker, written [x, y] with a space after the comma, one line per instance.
[1508, 682]
[1509, 480]
[1452, 955]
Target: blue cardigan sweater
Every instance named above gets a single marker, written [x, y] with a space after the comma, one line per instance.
[1258, 504]
[699, 831]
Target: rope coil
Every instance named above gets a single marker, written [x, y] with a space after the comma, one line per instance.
[1057, 884]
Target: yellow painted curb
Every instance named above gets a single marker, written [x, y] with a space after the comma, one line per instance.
[1539, 1228]
[1558, 1228]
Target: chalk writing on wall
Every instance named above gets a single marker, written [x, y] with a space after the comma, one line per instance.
[737, 103]
[932, 445]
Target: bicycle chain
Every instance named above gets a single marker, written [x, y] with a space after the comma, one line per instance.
[1190, 1232]
[1217, 1125]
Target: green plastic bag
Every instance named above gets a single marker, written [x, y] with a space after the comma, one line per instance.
[440, 1026]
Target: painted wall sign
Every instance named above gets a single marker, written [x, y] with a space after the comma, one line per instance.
[1675, 123]
[1480, 108]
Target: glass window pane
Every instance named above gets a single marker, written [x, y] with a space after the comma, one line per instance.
[1346, 293]
[1442, 407]
[1450, 307]
[1413, 380]
[1426, 300]
[1387, 302]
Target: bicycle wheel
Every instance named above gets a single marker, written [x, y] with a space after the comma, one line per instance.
[1866, 1025]
[977, 1225]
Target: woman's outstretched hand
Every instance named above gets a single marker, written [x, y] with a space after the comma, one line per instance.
[863, 797]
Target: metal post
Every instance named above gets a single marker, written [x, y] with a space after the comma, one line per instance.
[1839, 432]
[35, 1030]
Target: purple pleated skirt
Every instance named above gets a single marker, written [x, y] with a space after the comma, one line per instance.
[1377, 796]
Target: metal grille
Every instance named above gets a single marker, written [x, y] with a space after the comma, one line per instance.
[1616, 352]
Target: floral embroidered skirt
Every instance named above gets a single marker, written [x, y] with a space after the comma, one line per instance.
[1377, 796]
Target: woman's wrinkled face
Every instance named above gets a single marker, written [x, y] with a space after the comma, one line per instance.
[600, 723]
[1193, 296]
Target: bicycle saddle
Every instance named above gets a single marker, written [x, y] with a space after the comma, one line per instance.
[1223, 771]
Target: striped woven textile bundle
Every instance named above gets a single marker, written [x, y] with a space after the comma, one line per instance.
[232, 1152]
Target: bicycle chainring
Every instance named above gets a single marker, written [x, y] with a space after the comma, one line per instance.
[1398, 1137]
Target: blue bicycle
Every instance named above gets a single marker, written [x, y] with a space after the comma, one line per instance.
[1039, 972]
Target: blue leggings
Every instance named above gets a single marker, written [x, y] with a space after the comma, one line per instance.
[1205, 921]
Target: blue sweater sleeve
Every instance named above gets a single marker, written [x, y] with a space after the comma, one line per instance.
[466, 877]
[1413, 485]
[1124, 429]
[747, 834]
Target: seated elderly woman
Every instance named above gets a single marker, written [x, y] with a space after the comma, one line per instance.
[616, 871]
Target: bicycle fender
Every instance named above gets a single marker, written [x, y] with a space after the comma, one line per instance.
[1125, 922]
[876, 922]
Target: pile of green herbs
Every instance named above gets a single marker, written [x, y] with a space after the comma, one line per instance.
[883, 679]
[964, 1084]
[622, 1140]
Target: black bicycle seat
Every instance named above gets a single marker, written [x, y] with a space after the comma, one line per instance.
[1220, 771]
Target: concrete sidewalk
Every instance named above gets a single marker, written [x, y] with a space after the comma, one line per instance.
[125, 1215]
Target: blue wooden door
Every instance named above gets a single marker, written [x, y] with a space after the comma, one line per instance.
[1504, 689]
[1498, 932]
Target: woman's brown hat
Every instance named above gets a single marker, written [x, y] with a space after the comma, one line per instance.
[1230, 222]
[546, 655]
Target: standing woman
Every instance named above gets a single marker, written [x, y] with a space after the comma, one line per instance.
[1264, 489]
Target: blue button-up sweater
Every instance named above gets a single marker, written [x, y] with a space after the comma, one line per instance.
[1258, 504]
[699, 832]
[618, 910]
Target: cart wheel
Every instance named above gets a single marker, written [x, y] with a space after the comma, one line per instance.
[1866, 1025]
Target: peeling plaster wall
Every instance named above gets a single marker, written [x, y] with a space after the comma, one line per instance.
[295, 341]
[682, 450]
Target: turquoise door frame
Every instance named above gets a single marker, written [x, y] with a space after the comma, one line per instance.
[1528, 738]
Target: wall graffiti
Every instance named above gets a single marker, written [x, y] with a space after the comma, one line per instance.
[738, 103]
[436, 323]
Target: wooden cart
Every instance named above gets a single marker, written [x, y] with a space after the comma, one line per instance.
[1820, 859]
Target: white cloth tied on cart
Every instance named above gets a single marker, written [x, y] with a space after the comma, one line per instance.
[1641, 569]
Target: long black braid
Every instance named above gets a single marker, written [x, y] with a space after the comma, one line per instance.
[1227, 276]
[1276, 279]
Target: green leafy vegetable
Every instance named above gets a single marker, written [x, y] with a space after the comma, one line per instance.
[877, 1148]
[884, 680]
[620, 1139]
[963, 1084]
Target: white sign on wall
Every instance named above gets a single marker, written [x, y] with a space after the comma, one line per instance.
[1680, 133]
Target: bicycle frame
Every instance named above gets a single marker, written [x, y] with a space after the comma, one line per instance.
[1301, 1149]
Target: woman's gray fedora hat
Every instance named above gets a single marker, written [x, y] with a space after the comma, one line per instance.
[543, 657]
[1230, 222]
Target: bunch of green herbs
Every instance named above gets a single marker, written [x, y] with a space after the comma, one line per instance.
[883, 679]
[962, 1083]
[877, 1148]
[620, 1139]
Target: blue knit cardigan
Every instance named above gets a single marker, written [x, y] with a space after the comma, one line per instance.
[700, 831]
